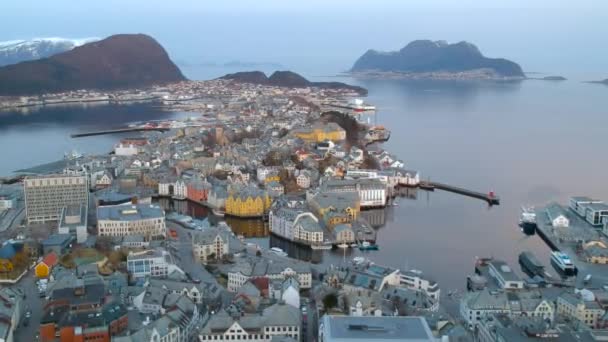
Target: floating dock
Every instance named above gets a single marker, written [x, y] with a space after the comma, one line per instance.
[490, 197]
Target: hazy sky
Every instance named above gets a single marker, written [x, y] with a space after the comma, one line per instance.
[327, 36]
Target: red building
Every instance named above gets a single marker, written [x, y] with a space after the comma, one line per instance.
[198, 191]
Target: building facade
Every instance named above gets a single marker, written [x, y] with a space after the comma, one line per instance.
[210, 244]
[46, 196]
[122, 220]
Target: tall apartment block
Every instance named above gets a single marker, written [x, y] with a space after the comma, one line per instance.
[46, 196]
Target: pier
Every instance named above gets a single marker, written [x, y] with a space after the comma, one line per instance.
[490, 197]
[120, 130]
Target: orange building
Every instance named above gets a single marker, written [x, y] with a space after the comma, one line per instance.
[198, 191]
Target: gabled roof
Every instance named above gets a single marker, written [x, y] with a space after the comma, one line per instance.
[50, 259]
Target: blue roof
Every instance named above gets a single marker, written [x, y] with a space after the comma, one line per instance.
[7, 251]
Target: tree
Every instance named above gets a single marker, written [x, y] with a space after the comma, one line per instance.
[330, 301]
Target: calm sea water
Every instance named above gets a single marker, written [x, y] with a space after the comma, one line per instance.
[530, 142]
[34, 136]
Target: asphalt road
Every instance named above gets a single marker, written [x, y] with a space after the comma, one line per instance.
[32, 302]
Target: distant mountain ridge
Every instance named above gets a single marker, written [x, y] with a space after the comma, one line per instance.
[119, 61]
[16, 51]
[425, 56]
[288, 79]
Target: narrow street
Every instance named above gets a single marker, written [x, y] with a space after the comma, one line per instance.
[32, 302]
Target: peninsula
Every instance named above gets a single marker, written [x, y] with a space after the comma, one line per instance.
[425, 59]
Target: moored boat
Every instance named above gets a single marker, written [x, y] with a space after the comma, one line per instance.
[563, 263]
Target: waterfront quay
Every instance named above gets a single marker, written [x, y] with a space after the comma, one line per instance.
[564, 230]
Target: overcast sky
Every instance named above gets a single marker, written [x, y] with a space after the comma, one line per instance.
[551, 36]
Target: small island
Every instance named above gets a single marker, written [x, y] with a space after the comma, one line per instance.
[604, 82]
[554, 78]
[548, 78]
[425, 59]
[288, 79]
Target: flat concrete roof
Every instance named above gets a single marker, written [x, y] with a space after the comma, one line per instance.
[375, 329]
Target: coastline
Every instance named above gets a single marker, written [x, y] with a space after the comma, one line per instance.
[472, 75]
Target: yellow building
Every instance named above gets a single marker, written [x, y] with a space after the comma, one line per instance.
[272, 178]
[44, 267]
[320, 132]
[248, 202]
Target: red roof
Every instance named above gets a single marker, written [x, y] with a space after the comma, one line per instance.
[261, 283]
[50, 259]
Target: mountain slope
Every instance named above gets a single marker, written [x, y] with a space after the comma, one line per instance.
[119, 61]
[16, 51]
[288, 79]
[422, 56]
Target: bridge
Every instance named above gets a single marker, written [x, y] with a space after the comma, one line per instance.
[490, 197]
[120, 130]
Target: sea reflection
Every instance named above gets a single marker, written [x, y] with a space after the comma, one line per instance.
[248, 228]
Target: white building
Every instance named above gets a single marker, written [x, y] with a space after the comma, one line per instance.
[474, 306]
[180, 189]
[103, 180]
[303, 180]
[73, 221]
[270, 266]
[295, 224]
[504, 275]
[154, 263]
[263, 171]
[121, 220]
[415, 280]
[126, 149]
[557, 216]
[372, 192]
[275, 321]
[210, 243]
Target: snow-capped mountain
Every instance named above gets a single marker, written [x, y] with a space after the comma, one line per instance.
[15, 51]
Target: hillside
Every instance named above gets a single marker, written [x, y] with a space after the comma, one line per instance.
[119, 61]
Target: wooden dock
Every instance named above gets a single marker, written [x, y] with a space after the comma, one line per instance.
[120, 130]
[490, 197]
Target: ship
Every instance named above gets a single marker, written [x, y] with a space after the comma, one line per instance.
[563, 264]
[531, 265]
[360, 106]
[527, 220]
[366, 246]
[72, 155]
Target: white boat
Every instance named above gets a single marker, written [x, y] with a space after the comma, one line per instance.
[562, 262]
[321, 246]
[343, 245]
[218, 212]
[353, 245]
[278, 251]
[72, 155]
[358, 260]
[528, 216]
